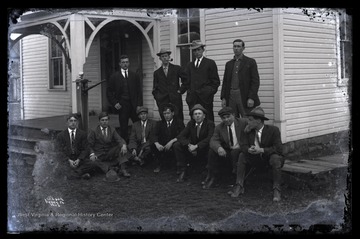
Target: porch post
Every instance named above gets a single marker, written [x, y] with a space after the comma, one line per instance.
[279, 81]
[77, 55]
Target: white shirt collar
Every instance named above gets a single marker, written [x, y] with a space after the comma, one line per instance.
[70, 130]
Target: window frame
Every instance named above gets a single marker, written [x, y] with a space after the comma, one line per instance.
[52, 59]
[340, 50]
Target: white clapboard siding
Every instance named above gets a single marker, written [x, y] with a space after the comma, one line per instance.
[165, 33]
[92, 73]
[222, 27]
[39, 101]
[148, 70]
[314, 104]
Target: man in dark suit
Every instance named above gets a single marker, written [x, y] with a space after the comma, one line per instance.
[139, 144]
[262, 145]
[72, 146]
[241, 82]
[125, 94]
[203, 80]
[165, 135]
[166, 87]
[107, 149]
[193, 141]
[224, 144]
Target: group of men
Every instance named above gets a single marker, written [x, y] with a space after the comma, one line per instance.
[241, 138]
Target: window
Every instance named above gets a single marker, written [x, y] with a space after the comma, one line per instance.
[188, 30]
[344, 49]
[57, 66]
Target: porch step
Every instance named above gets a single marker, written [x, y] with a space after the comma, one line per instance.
[22, 142]
[22, 151]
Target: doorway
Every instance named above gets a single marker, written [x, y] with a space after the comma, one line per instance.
[116, 39]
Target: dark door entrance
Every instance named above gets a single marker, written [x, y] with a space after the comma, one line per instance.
[116, 39]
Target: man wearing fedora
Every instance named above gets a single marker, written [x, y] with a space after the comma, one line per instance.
[107, 149]
[262, 145]
[165, 135]
[224, 144]
[124, 93]
[192, 145]
[166, 84]
[139, 144]
[241, 82]
[72, 146]
[203, 80]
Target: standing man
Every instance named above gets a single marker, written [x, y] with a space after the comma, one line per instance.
[125, 94]
[139, 144]
[165, 135]
[241, 82]
[107, 149]
[166, 87]
[262, 145]
[224, 144]
[203, 80]
[193, 141]
[72, 144]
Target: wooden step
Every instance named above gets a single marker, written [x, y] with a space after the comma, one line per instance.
[18, 150]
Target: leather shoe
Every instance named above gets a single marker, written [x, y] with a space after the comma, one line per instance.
[125, 173]
[277, 195]
[181, 177]
[206, 180]
[209, 183]
[157, 170]
[237, 191]
[86, 176]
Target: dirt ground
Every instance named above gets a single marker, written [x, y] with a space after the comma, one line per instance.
[154, 203]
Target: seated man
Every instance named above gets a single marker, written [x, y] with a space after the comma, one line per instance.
[224, 144]
[139, 144]
[72, 144]
[164, 136]
[107, 149]
[261, 145]
[193, 141]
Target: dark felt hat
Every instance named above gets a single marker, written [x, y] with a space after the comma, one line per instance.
[258, 112]
[103, 114]
[226, 111]
[142, 109]
[198, 107]
[111, 176]
[163, 51]
[196, 44]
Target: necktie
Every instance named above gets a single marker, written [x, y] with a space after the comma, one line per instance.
[166, 70]
[126, 75]
[197, 63]
[198, 130]
[231, 137]
[258, 135]
[104, 132]
[143, 132]
[73, 141]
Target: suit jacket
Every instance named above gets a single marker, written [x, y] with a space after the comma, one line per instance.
[100, 145]
[135, 139]
[202, 81]
[167, 86]
[270, 141]
[188, 134]
[220, 137]
[63, 144]
[163, 135]
[115, 89]
[249, 80]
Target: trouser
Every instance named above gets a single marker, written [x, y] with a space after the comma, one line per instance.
[111, 159]
[215, 161]
[276, 162]
[126, 112]
[183, 156]
[146, 151]
[85, 166]
[237, 104]
[160, 157]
